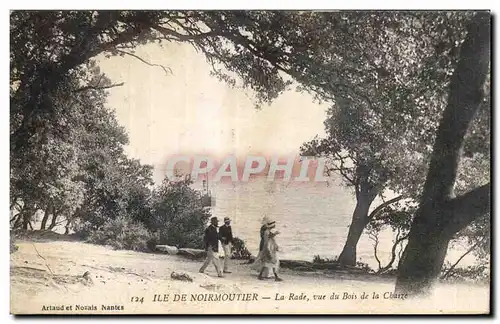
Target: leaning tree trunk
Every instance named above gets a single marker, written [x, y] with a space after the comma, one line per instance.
[26, 220]
[54, 219]
[19, 220]
[68, 225]
[359, 221]
[45, 218]
[439, 215]
[26, 217]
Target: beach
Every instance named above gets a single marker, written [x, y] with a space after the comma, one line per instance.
[51, 277]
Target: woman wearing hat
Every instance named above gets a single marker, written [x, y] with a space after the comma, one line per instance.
[265, 220]
[263, 228]
[268, 256]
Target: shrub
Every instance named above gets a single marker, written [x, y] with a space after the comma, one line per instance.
[177, 215]
[173, 214]
[474, 273]
[319, 259]
[122, 233]
[82, 228]
[359, 265]
[185, 231]
[363, 266]
[239, 250]
[153, 241]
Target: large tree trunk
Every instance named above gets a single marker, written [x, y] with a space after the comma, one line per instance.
[421, 261]
[439, 215]
[359, 221]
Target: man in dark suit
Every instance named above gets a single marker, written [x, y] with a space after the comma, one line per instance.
[226, 238]
[211, 240]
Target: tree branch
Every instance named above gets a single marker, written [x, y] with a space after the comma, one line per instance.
[393, 250]
[446, 275]
[15, 218]
[180, 37]
[374, 238]
[166, 69]
[337, 158]
[379, 209]
[400, 253]
[466, 208]
[342, 169]
[263, 53]
[89, 87]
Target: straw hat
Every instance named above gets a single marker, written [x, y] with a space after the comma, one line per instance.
[266, 220]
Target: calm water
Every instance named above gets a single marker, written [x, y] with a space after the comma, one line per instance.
[313, 218]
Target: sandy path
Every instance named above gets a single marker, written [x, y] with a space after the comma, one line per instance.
[121, 277]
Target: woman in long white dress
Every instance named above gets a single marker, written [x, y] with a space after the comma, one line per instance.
[265, 220]
[268, 256]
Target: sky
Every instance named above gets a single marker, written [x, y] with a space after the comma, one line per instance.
[188, 111]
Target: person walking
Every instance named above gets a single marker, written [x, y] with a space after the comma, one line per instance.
[268, 257]
[211, 240]
[226, 238]
[263, 228]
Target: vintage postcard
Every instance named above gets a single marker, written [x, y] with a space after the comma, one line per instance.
[250, 162]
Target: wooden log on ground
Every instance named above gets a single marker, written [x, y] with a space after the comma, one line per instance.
[293, 264]
[194, 254]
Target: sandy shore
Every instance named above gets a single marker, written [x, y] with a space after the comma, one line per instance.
[47, 276]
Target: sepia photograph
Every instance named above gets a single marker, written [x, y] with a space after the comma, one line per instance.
[250, 162]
